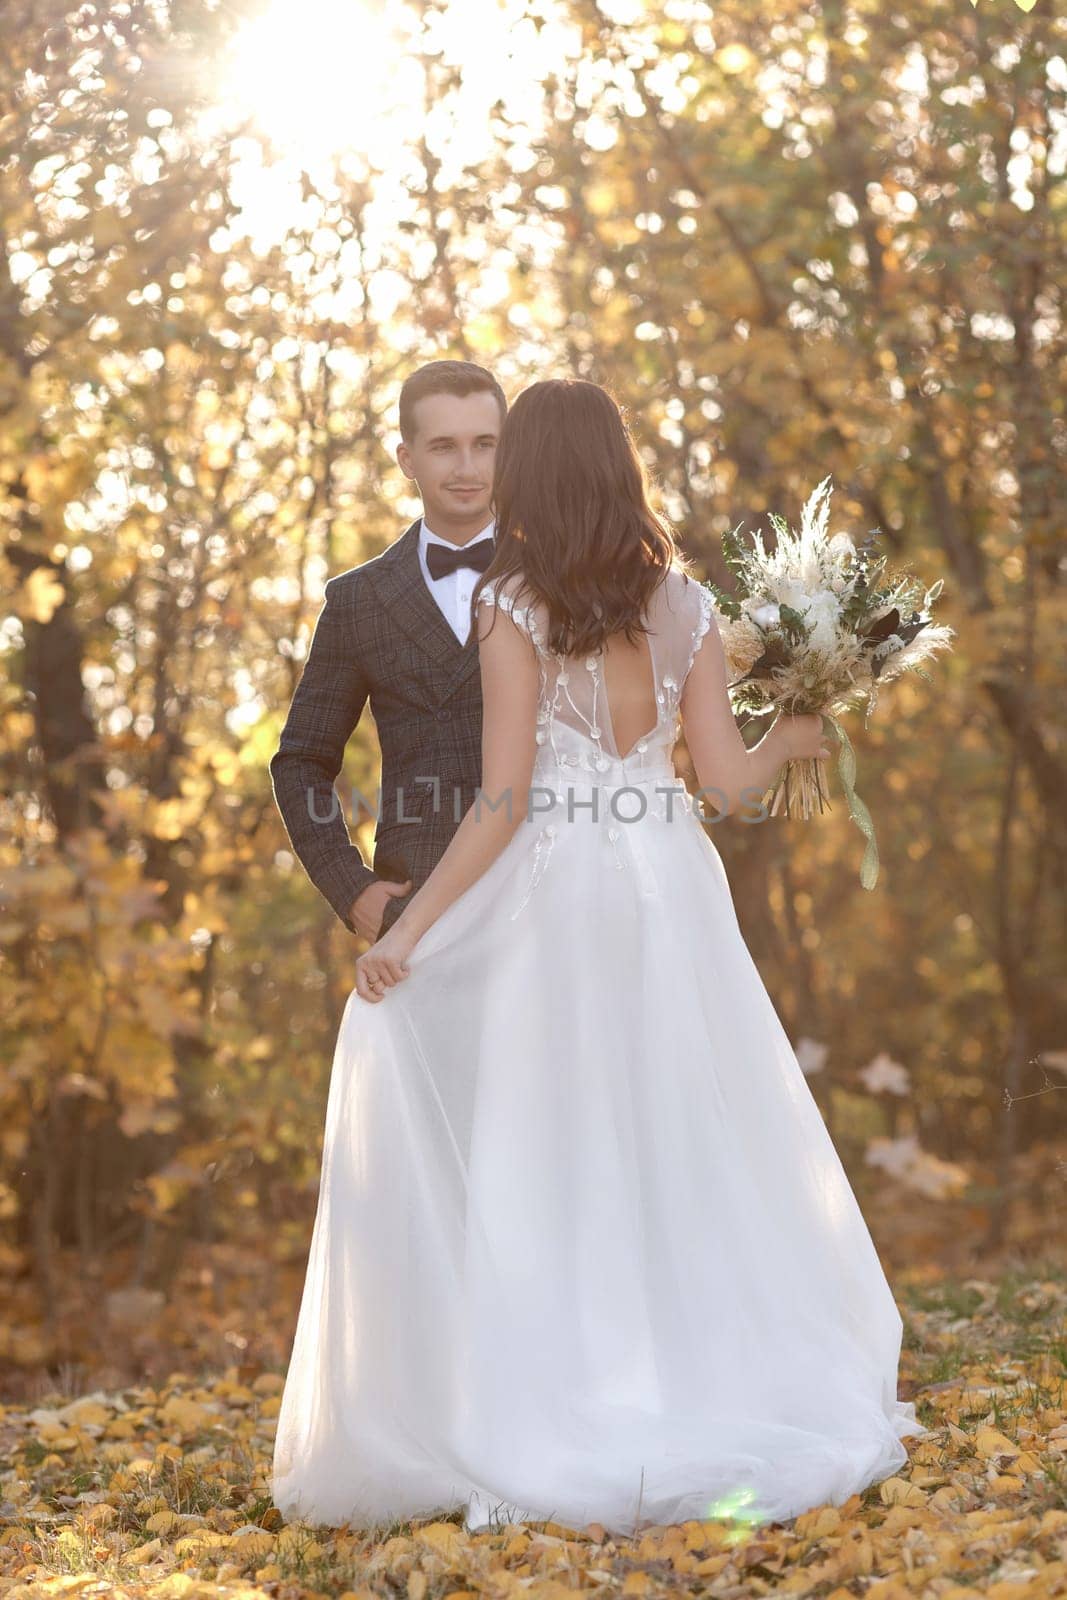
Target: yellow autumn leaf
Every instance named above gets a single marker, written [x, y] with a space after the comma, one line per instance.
[483, 335]
[168, 819]
[215, 457]
[35, 475]
[86, 1412]
[175, 1587]
[163, 1522]
[101, 1515]
[200, 1539]
[159, 1011]
[988, 1443]
[251, 1544]
[44, 594]
[443, 1537]
[57, 1438]
[818, 1523]
[417, 1585]
[187, 1415]
[1003, 1485]
[898, 1492]
[293, 1540]
[144, 1553]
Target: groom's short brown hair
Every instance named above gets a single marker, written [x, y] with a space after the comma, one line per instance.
[444, 377]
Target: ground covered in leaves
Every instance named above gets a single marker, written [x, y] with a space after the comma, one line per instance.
[163, 1491]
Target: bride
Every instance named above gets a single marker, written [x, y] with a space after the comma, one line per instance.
[584, 1249]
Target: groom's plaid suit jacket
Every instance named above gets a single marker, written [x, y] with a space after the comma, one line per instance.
[381, 636]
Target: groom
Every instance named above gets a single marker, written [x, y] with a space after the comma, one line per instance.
[397, 631]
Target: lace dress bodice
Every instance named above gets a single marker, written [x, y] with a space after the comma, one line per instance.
[574, 726]
[577, 753]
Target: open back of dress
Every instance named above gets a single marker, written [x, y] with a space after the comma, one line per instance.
[575, 725]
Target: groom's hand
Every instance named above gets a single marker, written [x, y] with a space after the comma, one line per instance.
[368, 908]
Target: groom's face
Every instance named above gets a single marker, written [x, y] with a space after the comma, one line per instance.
[451, 458]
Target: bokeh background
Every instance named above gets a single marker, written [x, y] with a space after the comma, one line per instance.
[792, 240]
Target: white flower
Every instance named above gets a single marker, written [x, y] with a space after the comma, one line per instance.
[742, 643]
[895, 1155]
[765, 615]
[916, 1168]
[790, 589]
[822, 614]
[885, 1073]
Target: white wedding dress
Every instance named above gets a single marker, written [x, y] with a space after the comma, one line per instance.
[584, 1248]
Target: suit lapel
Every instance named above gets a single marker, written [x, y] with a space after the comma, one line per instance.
[403, 592]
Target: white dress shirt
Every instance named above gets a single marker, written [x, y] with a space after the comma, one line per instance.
[453, 591]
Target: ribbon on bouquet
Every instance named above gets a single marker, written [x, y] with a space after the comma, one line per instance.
[846, 768]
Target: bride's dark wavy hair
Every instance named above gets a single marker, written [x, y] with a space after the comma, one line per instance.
[571, 501]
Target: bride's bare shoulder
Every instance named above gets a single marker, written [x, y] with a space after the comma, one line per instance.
[679, 585]
[510, 591]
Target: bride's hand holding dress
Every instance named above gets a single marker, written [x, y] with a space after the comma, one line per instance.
[509, 676]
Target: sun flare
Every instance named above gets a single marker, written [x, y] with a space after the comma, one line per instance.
[318, 82]
[318, 77]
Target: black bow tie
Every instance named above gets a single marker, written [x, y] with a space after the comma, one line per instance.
[441, 560]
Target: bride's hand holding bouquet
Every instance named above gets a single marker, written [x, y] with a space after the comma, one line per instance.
[804, 737]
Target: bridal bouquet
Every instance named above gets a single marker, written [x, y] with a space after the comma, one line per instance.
[818, 625]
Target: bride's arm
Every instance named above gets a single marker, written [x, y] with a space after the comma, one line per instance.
[509, 673]
[732, 775]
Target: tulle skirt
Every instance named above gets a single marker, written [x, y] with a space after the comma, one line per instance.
[583, 1243]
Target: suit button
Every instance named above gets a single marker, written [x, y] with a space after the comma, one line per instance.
[444, 716]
